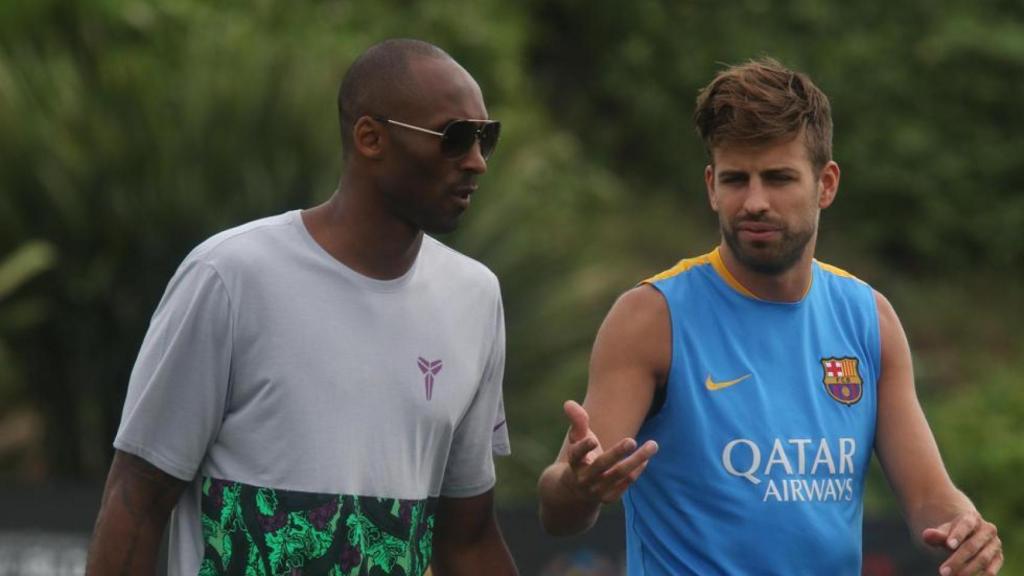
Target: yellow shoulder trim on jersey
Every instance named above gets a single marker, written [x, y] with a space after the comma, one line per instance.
[836, 271]
[716, 261]
[682, 266]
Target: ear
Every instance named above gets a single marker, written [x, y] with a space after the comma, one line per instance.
[369, 137]
[828, 184]
[709, 184]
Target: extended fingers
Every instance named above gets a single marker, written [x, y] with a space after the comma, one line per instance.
[936, 536]
[623, 470]
[579, 452]
[976, 550]
[627, 464]
[996, 564]
[579, 420]
[618, 489]
[613, 455]
[961, 528]
[589, 463]
[608, 476]
[984, 559]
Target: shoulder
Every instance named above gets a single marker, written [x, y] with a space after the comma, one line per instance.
[639, 317]
[888, 321]
[896, 371]
[840, 277]
[843, 288]
[843, 292]
[689, 280]
[449, 265]
[682, 268]
[232, 258]
[242, 238]
[235, 247]
[634, 340]
[643, 300]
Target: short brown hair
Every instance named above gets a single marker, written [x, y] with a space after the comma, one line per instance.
[760, 102]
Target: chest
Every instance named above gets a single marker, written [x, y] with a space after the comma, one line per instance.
[339, 355]
[807, 367]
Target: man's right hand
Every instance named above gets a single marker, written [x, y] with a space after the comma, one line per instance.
[599, 458]
[595, 474]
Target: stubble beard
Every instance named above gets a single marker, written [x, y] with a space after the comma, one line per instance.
[767, 259]
[439, 222]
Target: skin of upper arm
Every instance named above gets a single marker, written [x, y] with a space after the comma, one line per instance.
[464, 520]
[904, 442]
[467, 537]
[629, 360]
[137, 502]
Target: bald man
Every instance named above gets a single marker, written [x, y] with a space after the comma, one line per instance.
[319, 392]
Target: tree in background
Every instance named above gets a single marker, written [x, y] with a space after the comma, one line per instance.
[20, 426]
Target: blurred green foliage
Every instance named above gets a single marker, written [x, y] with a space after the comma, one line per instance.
[980, 432]
[19, 312]
[130, 130]
[923, 97]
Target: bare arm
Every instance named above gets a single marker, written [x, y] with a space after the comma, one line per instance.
[629, 361]
[935, 509]
[137, 501]
[467, 539]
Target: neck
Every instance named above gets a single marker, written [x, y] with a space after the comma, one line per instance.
[360, 234]
[790, 285]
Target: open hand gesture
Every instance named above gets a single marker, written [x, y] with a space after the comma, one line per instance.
[595, 474]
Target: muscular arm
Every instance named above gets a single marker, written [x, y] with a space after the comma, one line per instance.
[137, 501]
[630, 359]
[939, 513]
[904, 442]
[467, 539]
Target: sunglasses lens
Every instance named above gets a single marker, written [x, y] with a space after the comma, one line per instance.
[460, 135]
[458, 138]
[489, 138]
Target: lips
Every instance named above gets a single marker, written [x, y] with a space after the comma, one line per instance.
[462, 194]
[758, 231]
[758, 226]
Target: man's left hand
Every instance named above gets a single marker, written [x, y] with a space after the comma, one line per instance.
[972, 542]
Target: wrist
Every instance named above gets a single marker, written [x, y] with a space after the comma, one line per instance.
[565, 509]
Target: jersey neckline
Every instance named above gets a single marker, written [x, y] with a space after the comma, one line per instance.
[374, 284]
[715, 258]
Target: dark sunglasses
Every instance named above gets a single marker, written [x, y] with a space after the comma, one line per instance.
[458, 136]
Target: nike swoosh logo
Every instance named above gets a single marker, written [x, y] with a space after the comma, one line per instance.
[712, 385]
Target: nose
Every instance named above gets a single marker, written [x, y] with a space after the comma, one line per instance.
[756, 200]
[473, 161]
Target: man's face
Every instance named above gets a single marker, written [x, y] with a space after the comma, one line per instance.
[420, 185]
[768, 199]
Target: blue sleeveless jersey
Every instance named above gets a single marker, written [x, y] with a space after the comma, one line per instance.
[765, 433]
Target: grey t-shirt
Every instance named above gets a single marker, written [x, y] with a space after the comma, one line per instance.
[317, 412]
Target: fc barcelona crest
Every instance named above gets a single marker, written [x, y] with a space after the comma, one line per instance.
[842, 380]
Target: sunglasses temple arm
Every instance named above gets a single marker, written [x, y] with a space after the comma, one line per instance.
[416, 128]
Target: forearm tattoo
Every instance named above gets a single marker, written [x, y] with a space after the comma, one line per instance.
[136, 503]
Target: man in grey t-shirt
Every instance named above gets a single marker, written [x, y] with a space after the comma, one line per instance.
[319, 392]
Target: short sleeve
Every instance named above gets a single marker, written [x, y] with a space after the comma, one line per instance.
[483, 431]
[177, 390]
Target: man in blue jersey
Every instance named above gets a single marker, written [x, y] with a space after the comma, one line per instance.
[734, 400]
